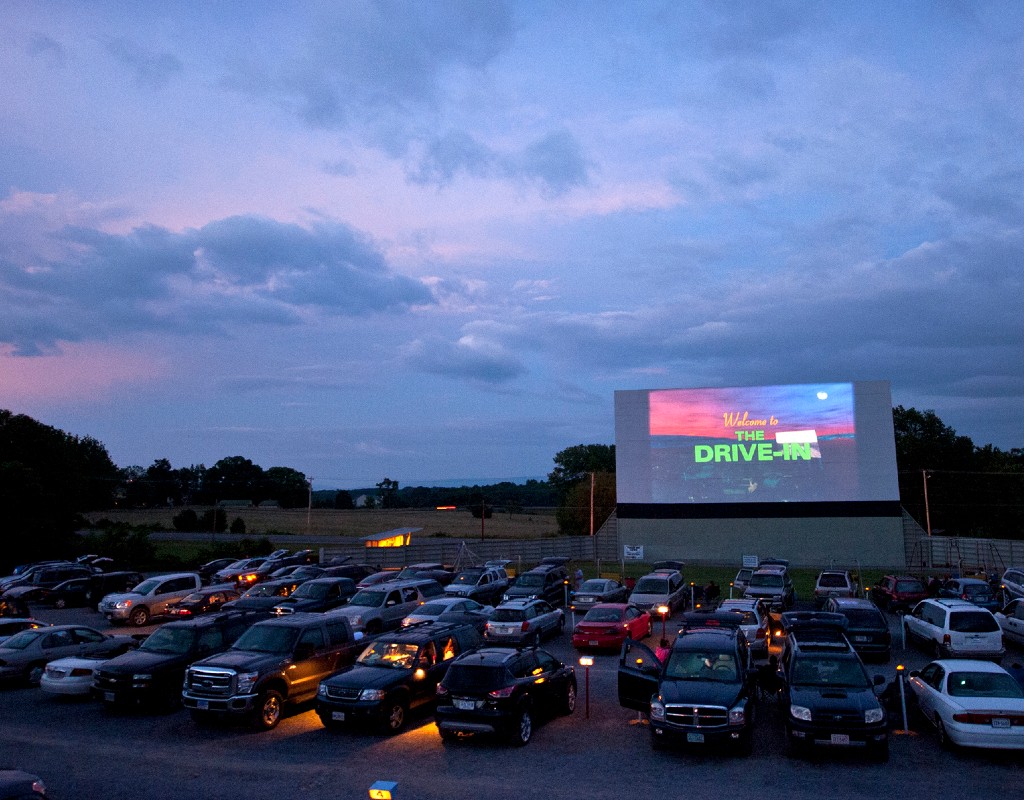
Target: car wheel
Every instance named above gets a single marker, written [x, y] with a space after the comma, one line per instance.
[937, 650]
[268, 710]
[35, 673]
[523, 730]
[60, 602]
[394, 718]
[943, 735]
[139, 616]
[569, 701]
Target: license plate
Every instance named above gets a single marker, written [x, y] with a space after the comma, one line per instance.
[109, 697]
[592, 643]
[860, 638]
[338, 716]
[1000, 722]
[584, 599]
[840, 738]
[203, 704]
[465, 705]
[696, 738]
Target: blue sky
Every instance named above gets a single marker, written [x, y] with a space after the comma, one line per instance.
[429, 240]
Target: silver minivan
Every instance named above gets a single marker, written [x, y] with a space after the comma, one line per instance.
[663, 587]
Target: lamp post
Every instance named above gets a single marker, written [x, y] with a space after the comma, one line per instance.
[587, 662]
[927, 516]
[663, 610]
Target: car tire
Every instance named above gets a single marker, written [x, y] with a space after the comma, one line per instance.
[396, 712]
[269, 709]
[139, 616]
[523, 730]
[34, 673]
[569, 701]
[943, 735]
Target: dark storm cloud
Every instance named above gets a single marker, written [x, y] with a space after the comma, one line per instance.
[236, 272]
[151, 69]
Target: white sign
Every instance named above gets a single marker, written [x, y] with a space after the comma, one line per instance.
[750, 562]
[633, 552]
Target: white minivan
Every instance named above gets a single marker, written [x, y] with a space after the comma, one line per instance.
[954, 629]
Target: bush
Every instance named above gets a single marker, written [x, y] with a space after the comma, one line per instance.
[186, 522]
[238, 526]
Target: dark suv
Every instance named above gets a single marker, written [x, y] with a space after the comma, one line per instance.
[319, 594]
[154, 672]
[501, 690]
[703, 694]
[828, 695]
[395, 674]
[547, 581]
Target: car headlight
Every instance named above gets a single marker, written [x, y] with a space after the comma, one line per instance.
[123, 604]
[800, 712]
[737, 715]
[371, 694]
[356, 619]
[505, 598]
[321, 690]
[246, 680]
[657, 709]
[873, 715]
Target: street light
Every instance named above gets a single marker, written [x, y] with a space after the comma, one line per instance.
[587, 662]
[663, 610]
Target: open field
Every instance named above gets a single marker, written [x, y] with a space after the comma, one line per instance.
[323, 523]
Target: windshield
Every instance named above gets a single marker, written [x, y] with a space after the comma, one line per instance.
[468, 578]
[972, 622]
[530, 581]
[864, 618]
[592, 586]
[832, 580]
[21, 640]
[603, 615]
[839, 673]
[977, 590]
[147, 586]
[910, 587]
[744, 575]
[169, 640]
[702, 666]
[263, 590]
[312, 591]
[651, 586]
[475, 678]
[507, 615]
[365, 598]
[273, 639]
[982, 684]
[394, 655]
[771, 580]
[195, 597]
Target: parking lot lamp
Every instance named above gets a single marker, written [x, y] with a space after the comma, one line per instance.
[383, 790]
[663, 610]
[587, 662]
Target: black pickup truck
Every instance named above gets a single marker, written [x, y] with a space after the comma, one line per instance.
[152, 675]
[276, 663]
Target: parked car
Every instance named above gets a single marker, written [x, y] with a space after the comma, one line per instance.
[71, 676]
[524, 622]
[79, 592]
[275, 664]
[739, 583]
[503, 691]
[867, 629]
[25, 655]
[451, 609]
[971, 704]
[898, 593]
[546, 581]
[210, 568]
[356, 572]
[45, 575]
[241, 572]
[297, 572]
[829, 697]
[598, 590]
[663, 587]
[431, 571]
[153, 674]
[954, 629]
[1012, 582]
[149, 599]
[833, 583]
[396, 674]
[756, 624]
[383, 607]
[264, 596]
[1011, 621]
[702, 694]
[973, 590]
[486, 585]
[319, 594]
[607, 625]
[773, 585]
[206, 601]
[16, 784]
[12, 625]
[297, 559]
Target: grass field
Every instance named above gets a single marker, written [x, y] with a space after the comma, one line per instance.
[324, 523]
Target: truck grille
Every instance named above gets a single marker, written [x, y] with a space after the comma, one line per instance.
[112, 680]
[697, 716]
[343, 693]
[210, 682]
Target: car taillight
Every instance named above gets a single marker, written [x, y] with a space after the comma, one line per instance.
[525, 626]
[986, 717]
[499, 694]
[946, 640]
[761, 633]
[441, 690]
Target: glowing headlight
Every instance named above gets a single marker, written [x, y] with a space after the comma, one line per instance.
[246, 680]
[800, 712]
[371, 694]
[737, 715]
[321, 690]
[123, 604]
[657, 709]
[873, 715]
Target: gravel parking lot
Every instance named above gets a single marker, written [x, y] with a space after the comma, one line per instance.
[84, 752]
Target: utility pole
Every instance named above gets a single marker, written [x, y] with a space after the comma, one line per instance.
[591, 503]
[483, 513]
[309, 503]
[927, 515]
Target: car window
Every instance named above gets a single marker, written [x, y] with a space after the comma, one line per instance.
[338, 632]
[972, 622]
[983, 684]
[526, 666]
[56, 639]
[314, 637]
[825, 671]
[87, 635]
[1018, 611]
[447, 647]
[935, 680]
[546, 661]
[212, 638]
[409, 594]
[394, 598]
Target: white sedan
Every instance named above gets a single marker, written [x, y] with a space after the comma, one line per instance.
[1011, 620]
[70, 676]
[971, 703]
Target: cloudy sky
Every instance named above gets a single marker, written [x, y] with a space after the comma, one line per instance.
[429, 240]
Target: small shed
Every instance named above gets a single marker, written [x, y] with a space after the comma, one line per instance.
[399, 537]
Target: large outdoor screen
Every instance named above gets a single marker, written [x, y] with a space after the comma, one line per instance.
[828, 442]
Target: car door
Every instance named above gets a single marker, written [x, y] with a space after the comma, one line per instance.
[639, 675]
[914, 621]
[1011, 621]
[313, 661]
[926, 687]
[551, 678]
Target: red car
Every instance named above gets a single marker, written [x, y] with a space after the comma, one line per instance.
[607, 625]
[898, 592]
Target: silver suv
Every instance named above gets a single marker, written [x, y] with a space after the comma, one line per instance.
[663, 587]
[382, 607]
[773, 585]
[524, 622]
